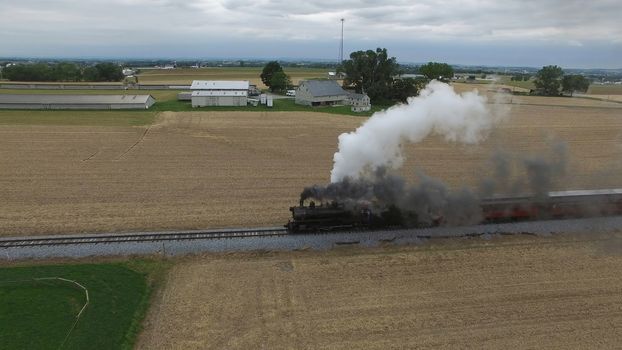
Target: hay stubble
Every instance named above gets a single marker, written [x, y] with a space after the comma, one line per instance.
[216, 169]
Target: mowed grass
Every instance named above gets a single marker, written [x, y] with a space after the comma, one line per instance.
[83, 117]
[39, 314]
[280, 105]
[187, 75]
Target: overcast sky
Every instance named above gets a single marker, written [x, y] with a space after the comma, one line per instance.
[569, 33]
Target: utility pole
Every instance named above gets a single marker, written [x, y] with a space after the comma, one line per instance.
[341, 45]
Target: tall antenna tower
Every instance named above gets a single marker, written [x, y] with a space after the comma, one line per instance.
[341, 45]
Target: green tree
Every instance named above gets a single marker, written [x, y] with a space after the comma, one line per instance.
[371, 72]
[279, 81]
[268, 71]
[404, 88]
[548, 80]
[66, 71]
[575, 82]
[438, 71]
[90, 74]
[109, 72]
[28, 72]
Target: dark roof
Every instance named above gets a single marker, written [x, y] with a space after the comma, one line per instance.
[319, 88]
[72, 99]
[356, 96]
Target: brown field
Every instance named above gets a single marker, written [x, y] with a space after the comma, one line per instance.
[561, 292]
[187, 75]
[615, 98]
[537, 100]
[605, 90]
[230, 169]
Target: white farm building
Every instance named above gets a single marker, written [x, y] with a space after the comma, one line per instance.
[66, 101]
[219, 93]
[359, 102]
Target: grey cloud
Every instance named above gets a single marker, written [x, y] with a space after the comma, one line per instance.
[34, 23]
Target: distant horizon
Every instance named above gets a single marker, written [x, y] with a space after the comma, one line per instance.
[282, 59]
[511, 33]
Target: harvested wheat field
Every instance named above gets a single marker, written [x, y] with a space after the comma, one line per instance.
[194, 170]
[561, 292]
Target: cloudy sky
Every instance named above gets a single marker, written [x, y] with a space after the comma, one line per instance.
[569, 33]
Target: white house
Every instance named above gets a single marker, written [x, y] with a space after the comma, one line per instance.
[359, 102]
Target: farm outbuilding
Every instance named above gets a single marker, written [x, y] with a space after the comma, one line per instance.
[219, 98]
[219, 93]
[320, 93]
[359, 102]
[65, 101]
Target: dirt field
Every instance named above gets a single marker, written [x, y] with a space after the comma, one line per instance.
[186, 75]
[605, 90]
[217, 169]
[559, 292]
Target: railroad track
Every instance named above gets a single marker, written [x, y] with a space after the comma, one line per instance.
[139, 237]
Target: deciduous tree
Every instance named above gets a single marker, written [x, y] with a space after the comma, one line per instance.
[268, 71]
[575, 82]
[548, 80]
[371, 72]
[438, 71]
[279, 81]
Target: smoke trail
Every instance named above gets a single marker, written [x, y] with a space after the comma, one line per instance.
[437, 110]
[428, 200]
[541, 172]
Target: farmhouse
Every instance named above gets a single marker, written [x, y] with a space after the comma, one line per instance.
[219, 93]
[320, 93]
[66, 101]
[359, 102]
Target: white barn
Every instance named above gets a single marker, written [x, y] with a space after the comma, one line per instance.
[219, 93]
[66, 101]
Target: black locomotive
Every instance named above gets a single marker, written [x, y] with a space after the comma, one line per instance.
[335, 216]
[563, 204]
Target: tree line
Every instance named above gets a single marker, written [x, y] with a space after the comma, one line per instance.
[379, 76]
[371, 72]
[551, 81]
[63, 71]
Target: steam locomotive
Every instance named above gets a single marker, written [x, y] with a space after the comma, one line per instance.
[555, 205]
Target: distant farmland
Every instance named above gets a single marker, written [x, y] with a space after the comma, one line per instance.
[99, 171]
[186, 75]
[605, 90]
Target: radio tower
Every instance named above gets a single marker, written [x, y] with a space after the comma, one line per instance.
[341, 45]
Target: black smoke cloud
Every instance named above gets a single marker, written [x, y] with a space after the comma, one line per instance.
[430, 199]
[540, 172]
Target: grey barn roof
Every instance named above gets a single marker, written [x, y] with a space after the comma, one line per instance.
[324, 88]
[220, 85]
[72, 99]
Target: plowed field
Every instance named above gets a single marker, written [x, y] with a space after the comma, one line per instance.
[560, 292]
[216, 169]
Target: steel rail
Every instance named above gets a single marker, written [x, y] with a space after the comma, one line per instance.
[139, 237]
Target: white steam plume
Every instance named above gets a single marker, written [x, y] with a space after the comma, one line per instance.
[438, 109]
